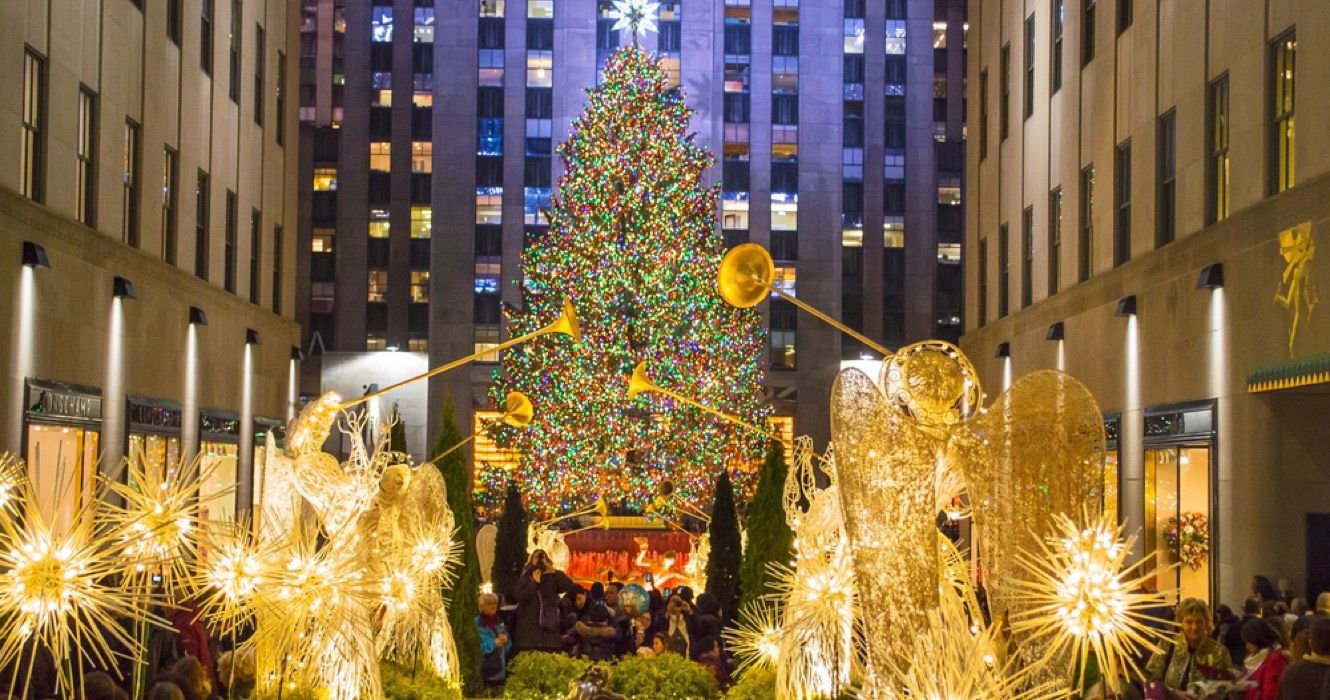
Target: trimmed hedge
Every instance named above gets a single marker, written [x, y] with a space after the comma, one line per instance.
[543, 676]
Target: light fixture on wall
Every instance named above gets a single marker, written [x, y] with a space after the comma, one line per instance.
[1126, 306]
[197, 317]
[251, 336]
[1212, 277]
[1056, 332]
[122, 288]
[34, 255]
[1003, 350]
[296, 354]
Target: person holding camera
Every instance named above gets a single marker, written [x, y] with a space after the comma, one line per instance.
[539, 623]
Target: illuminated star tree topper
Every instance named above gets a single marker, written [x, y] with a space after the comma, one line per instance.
[637, 16]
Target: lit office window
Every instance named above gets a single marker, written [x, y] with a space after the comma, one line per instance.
[33, 147]
[424, 26]
[489, 205]
[539, 68]
[540, 9]
[380, 155]
[379, 225]
[420, 286]
[325, 179]
[422, 156]
[86, 172]
[422, 221]
[378, 285]
[895, 39]
[381, 23]
[1282, 64]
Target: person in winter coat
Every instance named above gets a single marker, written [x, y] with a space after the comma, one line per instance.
[1266, 659]
[1309, 677]
[537, 594]
[1192, 655]
[598, 640]
[494, 642]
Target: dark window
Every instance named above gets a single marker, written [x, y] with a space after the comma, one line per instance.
[1216, 138]
[983, 114]
[736, 107]
[487, 309]
[852, 199]
[784, 109]
[489, 241]
[201, 207]
[236, 15]
[1087, 31]
[853, 126]
[854, 68]
[491, 33]
[1122, 202]
[422, 58]
[895, 9]
[536, 172]
[279, 103]
[607, 37]
[255, 254]
[983, 282]
[785, 40]
[1167, 162]
[540, 34]
[670, 38]
[1005, 100]
[173, 21]
[734, 174]
[1004, 272]
[259, 66]
[785, 245]
[738, 39]
[1027, 257]
[205, 36]
[1124, 15]
[86, 152]
[539, 103]
[32, 163]
[229, 244]
[1054, 240]
[895, 70]
[277, 270]
[129, 221]
[1058, 22]
[854, 9]
[893, 197]
[1085, 226]
[785, 178]
[170, 182]
[489, 102]
[1028, 58]
[1282, 65]
[489, 171]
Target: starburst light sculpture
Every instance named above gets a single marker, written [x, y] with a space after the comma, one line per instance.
[637, 16]
[1086, 600]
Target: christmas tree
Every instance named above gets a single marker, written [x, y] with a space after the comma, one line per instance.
[723, 564]
[769, 536]
[633, 244]
[510, 542]
[460, 592]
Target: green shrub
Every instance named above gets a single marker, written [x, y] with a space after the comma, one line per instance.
[399, 684]
[665, 677]
[754, 684]
[535, 675]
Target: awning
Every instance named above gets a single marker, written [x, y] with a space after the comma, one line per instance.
[1290, 374]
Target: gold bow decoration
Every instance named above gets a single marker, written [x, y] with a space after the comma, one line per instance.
[1297, 290]
[1036, 451]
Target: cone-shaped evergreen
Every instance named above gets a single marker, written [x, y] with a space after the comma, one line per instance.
[726, 547]
[633, 244]
[461, 594]
[769, 536]
[510, 542]
[397, 433]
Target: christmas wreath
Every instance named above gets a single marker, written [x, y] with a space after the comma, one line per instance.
[1188, 535]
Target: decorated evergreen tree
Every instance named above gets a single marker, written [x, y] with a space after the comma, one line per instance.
[726, 547]
[633, 244]
[769, 536]
[510, 542]
[462, 592]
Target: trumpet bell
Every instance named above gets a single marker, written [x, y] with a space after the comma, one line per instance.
[745, 275]
[517, 410]
[566, 323]
[640, 382]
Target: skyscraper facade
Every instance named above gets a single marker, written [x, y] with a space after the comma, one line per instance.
[837, 127]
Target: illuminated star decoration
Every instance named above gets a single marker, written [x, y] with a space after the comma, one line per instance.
[1086, 600]
[637, 16]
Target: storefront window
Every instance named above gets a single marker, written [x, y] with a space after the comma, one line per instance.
[219, 470]
[159, 451]
[62, 462]
[1177, 483]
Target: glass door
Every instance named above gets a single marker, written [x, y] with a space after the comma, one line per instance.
[1177, 507]
[62, 462]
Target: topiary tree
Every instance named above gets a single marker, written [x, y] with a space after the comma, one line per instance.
[462, 592]
[510, 542]
[726, 549]
[769, 536]
[397, 433]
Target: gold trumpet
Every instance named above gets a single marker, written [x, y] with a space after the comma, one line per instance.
[665, 495]
[517, 412]
[566, 324]
[598, 508]
[745, 279]
[640, 383]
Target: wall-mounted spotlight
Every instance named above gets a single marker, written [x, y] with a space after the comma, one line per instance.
[34, 255]
[1212, 277]
[1056, 332]
[1003, 350]
[197, 317]
[1126, 306]
[122, 287]
[251, 336]
[296, 354]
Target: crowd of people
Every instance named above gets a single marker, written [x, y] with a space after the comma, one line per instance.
[1279, 649]
[547, 611]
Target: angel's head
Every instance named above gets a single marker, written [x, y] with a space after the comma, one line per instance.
[394, 481]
